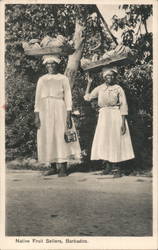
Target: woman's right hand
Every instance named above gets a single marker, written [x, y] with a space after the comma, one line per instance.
[87, 97]
[37, 121]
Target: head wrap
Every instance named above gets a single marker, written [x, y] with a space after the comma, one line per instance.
[107, 71]
[51, 59]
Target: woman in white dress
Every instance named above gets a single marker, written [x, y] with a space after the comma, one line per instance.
[112, 141]
[53, 104]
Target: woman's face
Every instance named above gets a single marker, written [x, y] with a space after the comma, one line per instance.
[51, 67]
[109, 78]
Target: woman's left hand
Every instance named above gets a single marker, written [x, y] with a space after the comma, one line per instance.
[123, 128]
[69, 123]
[69, 120]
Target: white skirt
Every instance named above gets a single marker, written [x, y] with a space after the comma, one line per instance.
[109, 144]
[51, 145]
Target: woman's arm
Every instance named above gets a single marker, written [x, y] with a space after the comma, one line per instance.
[94, 94]
[90, 80]
[37, 104]
[37, 120]
[123, 126]
[69, 120]
[68, 102]
[123, 102]
[123, 110]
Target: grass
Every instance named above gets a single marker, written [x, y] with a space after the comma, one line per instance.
[32, 164]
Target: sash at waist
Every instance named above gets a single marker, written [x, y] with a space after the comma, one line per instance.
[54, 97]
[109, 107]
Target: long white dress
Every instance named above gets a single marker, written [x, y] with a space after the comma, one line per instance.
[108, 143]
[52, 101]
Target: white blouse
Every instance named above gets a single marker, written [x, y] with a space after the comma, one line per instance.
[56, 86]
[109, 96]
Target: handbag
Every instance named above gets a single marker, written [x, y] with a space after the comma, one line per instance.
[70, 135]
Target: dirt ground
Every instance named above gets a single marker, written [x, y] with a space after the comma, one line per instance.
[82, 204]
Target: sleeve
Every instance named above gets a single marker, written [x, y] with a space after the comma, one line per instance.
[67, 94]
[92, 95]
[38, 96]
[123, 102]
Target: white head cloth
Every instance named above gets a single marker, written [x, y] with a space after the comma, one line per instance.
[107, 71]
[51, 59]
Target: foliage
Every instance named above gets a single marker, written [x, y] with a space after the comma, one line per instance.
[133, 36]
[134, 15]
[20, 132]
[137, 83]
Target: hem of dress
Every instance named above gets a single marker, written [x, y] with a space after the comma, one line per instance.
[68, 160]
[110, 160]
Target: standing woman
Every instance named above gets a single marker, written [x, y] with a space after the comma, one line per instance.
[112, 141]
[53, 104]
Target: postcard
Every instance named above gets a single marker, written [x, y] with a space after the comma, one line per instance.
[78, 124]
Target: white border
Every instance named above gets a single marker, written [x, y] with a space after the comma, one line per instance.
[94, 242]
[2, 123]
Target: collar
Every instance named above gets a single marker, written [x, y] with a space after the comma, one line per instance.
[111, 88]
[54, 76]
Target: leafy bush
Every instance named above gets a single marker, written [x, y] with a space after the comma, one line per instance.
[20, 131]
[137, 83]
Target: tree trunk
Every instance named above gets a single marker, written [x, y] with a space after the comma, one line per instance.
[74, 59]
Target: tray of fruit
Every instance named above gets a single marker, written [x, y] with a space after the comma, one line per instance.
[119, 56]
[48, 46]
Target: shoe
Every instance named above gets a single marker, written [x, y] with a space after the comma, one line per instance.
[106, 172]
[50, 172]
[62, 172]
[117, 174]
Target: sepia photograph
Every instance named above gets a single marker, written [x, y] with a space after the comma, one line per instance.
[79, 109]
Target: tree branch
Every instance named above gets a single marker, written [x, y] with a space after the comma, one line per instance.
[106, 26]
[145, 26]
